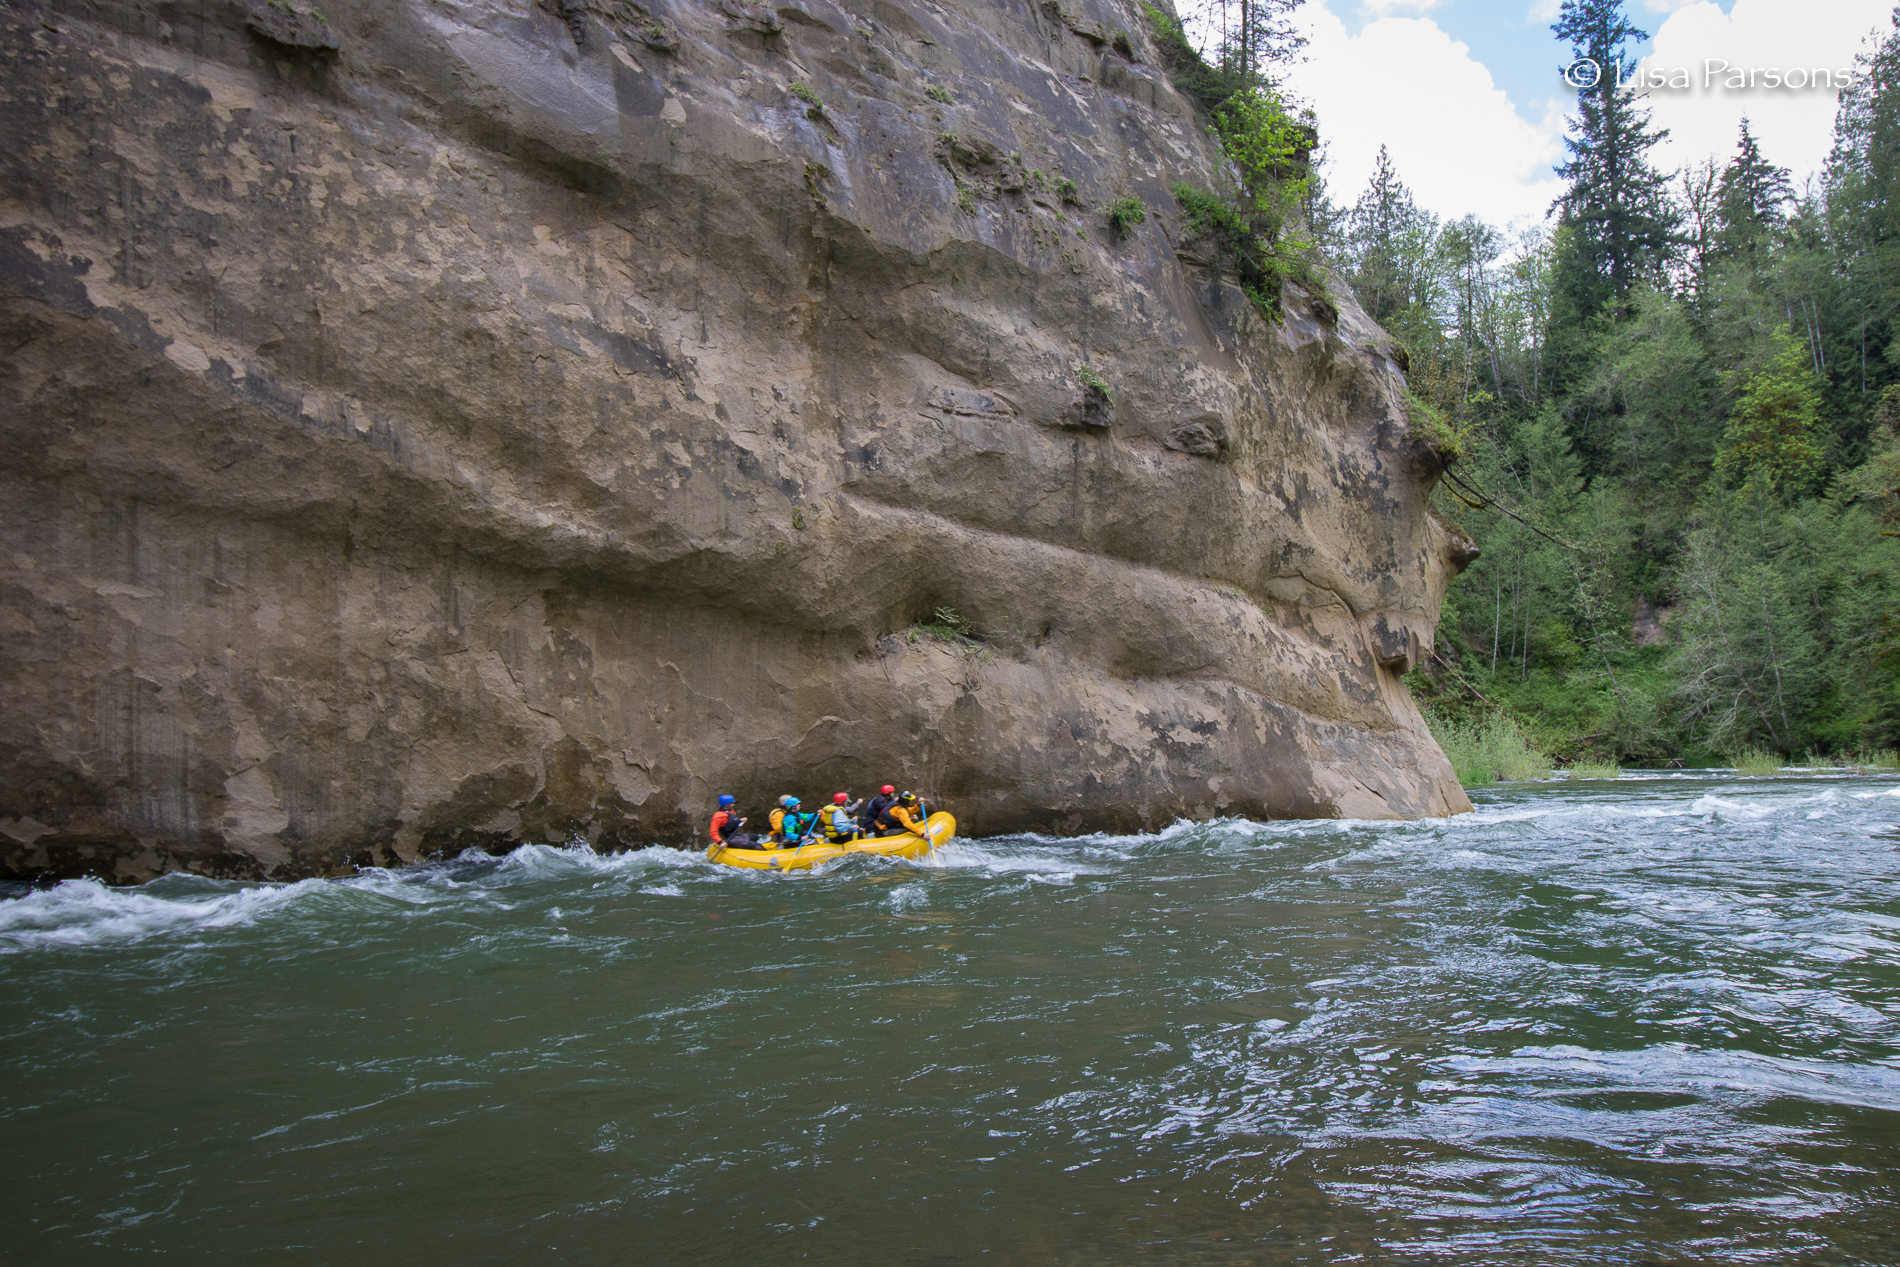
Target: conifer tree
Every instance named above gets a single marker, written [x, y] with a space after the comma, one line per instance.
[1698, 197]
[1617, 203]
[1378, 223]
[1751, 200]
[1863, 225]
[1685, 483]
[1864, 165]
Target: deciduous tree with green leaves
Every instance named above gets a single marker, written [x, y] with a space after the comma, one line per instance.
[1772, 437]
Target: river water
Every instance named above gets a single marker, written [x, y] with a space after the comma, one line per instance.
[1655, 1019]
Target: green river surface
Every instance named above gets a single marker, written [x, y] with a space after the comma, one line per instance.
[1647, 1020]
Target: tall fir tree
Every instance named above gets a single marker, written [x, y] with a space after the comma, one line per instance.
[1863, 171]
[1751, 200]
[1618, 204]
[1698, 195]
[1378, 224]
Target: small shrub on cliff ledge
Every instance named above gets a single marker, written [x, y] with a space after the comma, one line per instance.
[1261, 265]
[1126, 212]
[1433, 425]
[946, 624]
[1093, 383]
[814, 103]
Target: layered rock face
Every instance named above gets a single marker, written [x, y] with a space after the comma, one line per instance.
[526, 421]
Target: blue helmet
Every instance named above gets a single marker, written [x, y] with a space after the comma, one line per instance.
[791, 802]
[725, 801]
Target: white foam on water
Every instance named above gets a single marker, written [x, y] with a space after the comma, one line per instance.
[560, 862]
[411, 886]
[1773, 1002]
[88, 913]
[1736, 809]
[530, 863]
[1184, 834]
[998, 858]
[77, 913]
[1187, 826]
[906, 897]
[1602, 830]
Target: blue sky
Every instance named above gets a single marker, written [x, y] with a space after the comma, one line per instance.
[1469, 99]
[1507, 38]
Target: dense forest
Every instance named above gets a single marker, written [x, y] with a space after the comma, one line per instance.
[1671, 411]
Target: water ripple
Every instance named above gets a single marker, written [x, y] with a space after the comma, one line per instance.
[1651, 1018]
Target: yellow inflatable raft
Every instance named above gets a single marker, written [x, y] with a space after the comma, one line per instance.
[938, 828]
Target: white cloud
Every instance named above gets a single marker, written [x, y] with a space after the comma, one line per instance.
[1453, 135]
[1385, 8]
[1543, 12]
[1794, 127]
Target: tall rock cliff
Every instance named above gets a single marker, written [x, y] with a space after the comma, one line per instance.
[436, 423]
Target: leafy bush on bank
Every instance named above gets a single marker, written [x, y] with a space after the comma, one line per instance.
[1488, 749]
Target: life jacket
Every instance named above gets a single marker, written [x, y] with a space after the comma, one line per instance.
[778, 821]
[796, 826]
[723, 824]
[838, 822]
[873, 813]
[909, 819]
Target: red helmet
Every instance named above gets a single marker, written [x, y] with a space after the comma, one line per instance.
[841, 798]
[888, 790]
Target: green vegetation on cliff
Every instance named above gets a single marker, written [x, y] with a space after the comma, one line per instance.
[1258, 229]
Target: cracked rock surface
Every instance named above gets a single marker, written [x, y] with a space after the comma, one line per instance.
[524, 421]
